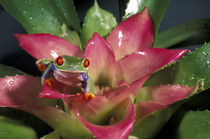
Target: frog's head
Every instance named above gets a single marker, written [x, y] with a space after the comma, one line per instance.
[71, 64]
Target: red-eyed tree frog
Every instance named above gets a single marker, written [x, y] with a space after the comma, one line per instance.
[68, 70]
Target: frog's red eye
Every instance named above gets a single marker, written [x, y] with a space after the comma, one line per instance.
[86, 63]
[59, 61]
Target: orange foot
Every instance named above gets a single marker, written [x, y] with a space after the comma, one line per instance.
[89, 95]
[79, 94]
[41, 66]
[49, 82]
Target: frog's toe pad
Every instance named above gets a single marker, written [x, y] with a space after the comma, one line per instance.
[41, 66]
[78, 94]
[49, 82]
[89, 95]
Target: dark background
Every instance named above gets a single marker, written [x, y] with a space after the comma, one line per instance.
[179, 11]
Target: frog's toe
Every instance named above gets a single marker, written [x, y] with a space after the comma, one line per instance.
[79, 94]
[49, 82]
[41, 67]
[89, 95]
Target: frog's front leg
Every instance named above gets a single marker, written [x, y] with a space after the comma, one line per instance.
[49, 81]
[87, 94]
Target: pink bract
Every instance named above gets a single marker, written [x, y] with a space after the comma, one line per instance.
[138, 27]
[120, 130]
[12, 92]
[47, 46]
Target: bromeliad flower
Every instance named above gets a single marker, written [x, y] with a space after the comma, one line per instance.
[118, 68]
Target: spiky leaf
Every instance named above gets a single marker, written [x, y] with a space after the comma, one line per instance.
[194, 125]
[188, 71]
[193, 32]
[97, 20]
[45, 16]
[41, 16]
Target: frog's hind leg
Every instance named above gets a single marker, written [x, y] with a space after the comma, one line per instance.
[87, 94]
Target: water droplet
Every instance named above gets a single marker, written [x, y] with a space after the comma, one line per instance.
[92, 43]
[205, 53]
[193, 76]
[77, 114]
[24, 12]
[120, 35]
[208, 62]
[31, 17]
[11, 82]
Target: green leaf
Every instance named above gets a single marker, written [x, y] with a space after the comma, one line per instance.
[52, 135]
[44, 16]
[193, 32]
[67, 10]
[157, 9]
[28, 119]
[97, 20]
[69, 35]
[11, 129]
[36, 16]
[186, 71]
[194, 125]
[132, 137]
[9, 71]
[66, 124]
[150, 125]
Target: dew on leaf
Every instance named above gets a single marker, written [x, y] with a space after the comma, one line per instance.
[193, 76]
[11, 83]
[205, 53]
